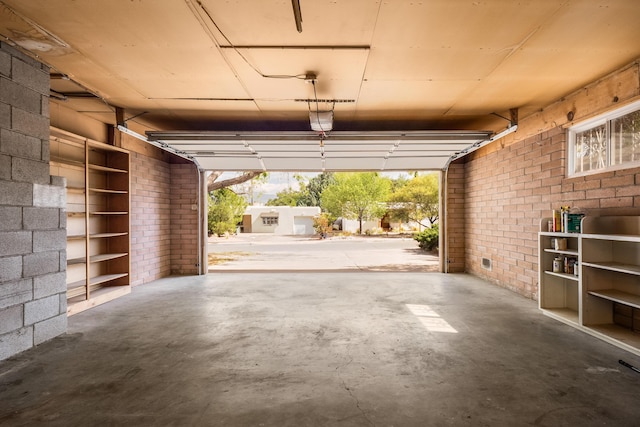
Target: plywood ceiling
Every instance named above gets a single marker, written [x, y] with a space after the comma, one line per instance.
[392, 65]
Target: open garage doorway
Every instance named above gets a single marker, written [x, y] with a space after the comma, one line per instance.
[281, 230]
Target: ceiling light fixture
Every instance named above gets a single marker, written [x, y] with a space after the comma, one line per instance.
[321, 121]
[297, 14]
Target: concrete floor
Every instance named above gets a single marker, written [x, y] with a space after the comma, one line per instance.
[322, 349]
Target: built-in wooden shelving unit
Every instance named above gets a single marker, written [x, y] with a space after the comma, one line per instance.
[98, 224]
[603, 299]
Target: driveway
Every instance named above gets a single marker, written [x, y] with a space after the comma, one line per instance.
[265, 252]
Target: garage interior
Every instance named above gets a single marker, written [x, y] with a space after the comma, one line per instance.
[111, 114]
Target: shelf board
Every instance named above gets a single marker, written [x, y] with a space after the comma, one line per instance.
[75, 214]
[61, 161]
[564, 275]
[106, 190]
[558, 234]
[73, 261]
[76, 237]
[76, 292]
[101, 146]
[613, 237]
[99, 296]
[106, 169]
[106, 257]
[105, 278]
[76, 190]
[573, 252]
[564, 314]
[106, 235]
[617, 296]
[109, 213]
[614, 266]
[616, 335]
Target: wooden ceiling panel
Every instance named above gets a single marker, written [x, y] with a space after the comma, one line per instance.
[420, 98]
[470, 25]
[435, 64]
[271, 22]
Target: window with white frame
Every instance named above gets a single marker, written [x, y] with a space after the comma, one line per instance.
[269, 220]
[610, 141]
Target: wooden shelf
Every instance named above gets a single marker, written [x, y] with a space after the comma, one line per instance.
[100, 146]
[616, 335]
[109, 213]
[74, 261]
[106, 169]
[78, 304]
[608, 253]
[565, 315]
[106, 257]
[75, 190]
[98, 212]
[617, 296]
[107, 191]
[563, 275]
[74, 164]
[570, 252]
[105, 278]
[106, 235]
[613, 237]
[614, 266]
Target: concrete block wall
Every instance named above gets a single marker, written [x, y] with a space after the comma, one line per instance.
[184, 219]
[32, 210]
[150, 218]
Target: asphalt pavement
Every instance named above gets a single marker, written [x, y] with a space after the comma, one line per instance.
[267, 252]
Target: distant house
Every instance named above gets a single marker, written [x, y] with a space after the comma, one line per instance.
[284, 220]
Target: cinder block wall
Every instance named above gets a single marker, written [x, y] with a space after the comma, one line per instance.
[511, 184]
[184, 219]
[32, 211]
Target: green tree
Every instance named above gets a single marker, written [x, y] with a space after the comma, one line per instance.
[356, 195]
[225, 211]
[286, 197]
[417, 200]
[312, 191]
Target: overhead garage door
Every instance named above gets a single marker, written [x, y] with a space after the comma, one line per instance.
[302, 225]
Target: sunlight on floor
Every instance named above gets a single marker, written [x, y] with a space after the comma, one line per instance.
[430, 319]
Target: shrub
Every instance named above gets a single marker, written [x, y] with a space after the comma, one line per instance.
[428, 239]
[321, 225]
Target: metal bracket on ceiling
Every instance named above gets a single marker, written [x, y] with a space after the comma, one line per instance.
[513, 120]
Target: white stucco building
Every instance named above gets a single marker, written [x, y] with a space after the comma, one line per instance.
[285, 220]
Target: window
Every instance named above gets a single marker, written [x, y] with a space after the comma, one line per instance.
[269, 220]
[611, 141]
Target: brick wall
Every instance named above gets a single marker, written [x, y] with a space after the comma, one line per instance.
[510, 189]
[150, 218]
[455, 214]
[184, 219]
[32, 211]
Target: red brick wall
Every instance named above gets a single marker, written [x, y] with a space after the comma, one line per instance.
[150, 219]
[509, 189]
[184, 219]
[455, 214]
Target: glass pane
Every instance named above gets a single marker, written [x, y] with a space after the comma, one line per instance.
[591, 149]
[625, 141]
